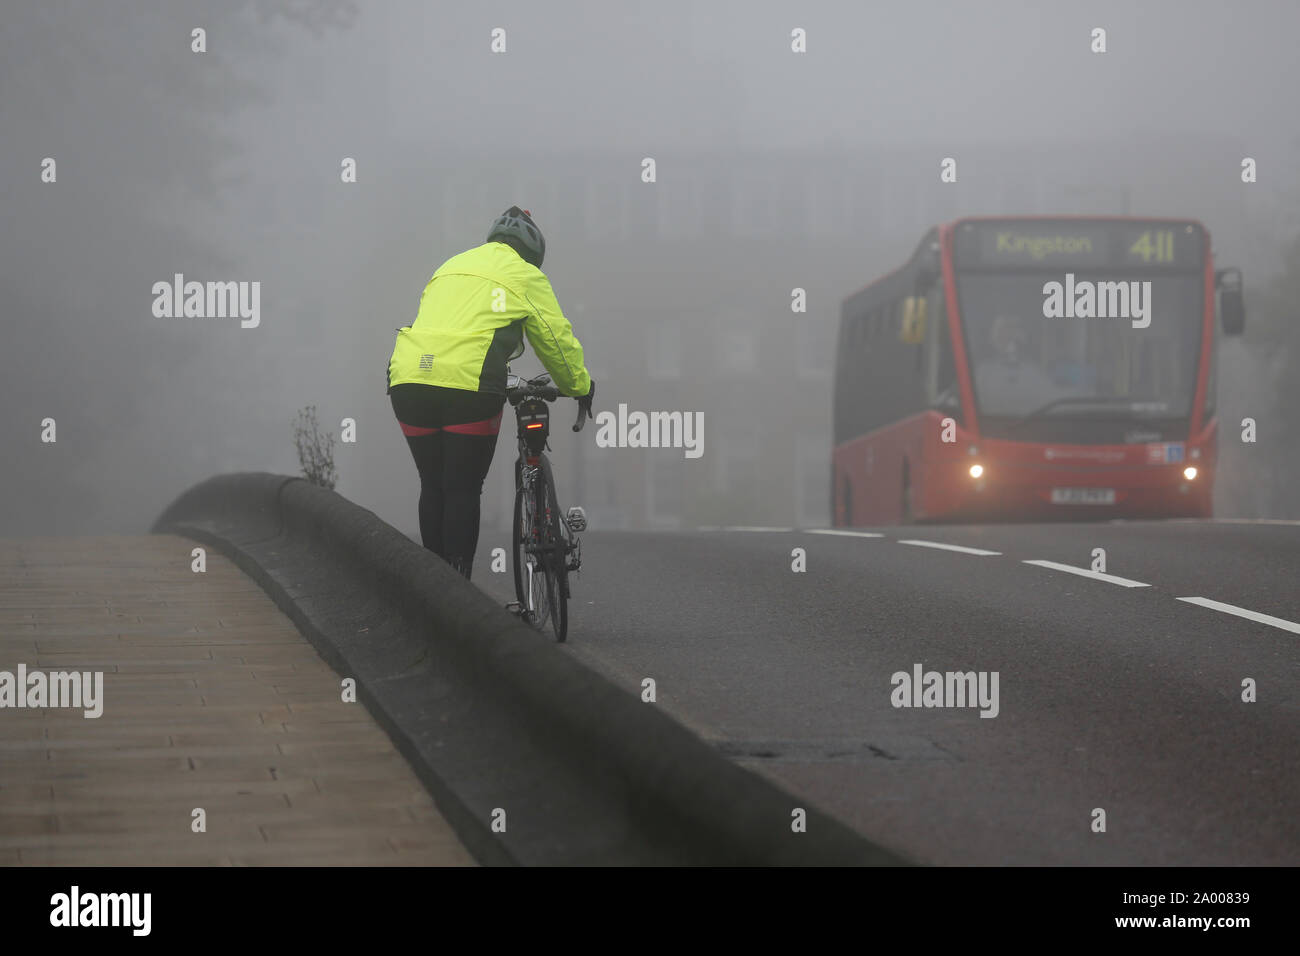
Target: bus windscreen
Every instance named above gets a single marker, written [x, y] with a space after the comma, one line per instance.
[1021, 362]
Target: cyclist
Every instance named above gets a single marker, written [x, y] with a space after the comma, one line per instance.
[447, 373]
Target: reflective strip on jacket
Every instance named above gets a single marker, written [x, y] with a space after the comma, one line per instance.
[472, 318]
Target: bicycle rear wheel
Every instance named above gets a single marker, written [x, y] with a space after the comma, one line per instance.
[541, 584]
[518, 554]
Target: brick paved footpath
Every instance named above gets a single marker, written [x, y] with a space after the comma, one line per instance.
[212, 699]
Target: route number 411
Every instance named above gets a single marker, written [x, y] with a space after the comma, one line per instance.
[1162, 249]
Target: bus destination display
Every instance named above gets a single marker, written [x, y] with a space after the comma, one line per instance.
[1078, 244]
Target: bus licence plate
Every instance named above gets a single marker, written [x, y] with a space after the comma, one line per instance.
[1083, 496]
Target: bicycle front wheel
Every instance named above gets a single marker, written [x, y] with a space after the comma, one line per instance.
[557, 573]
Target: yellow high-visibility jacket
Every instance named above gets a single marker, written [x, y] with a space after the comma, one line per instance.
[472, 318]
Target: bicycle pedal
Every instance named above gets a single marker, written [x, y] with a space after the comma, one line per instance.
[576, 519]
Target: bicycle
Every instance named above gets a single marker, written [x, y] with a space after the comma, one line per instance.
[544, 547]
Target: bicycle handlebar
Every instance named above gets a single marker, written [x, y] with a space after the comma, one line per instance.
[547, 392]
[533, 389]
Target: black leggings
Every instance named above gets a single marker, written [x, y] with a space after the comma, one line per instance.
[452, 464]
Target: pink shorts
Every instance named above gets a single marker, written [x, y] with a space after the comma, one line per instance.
[489, 426]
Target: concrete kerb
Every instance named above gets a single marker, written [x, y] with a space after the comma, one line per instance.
[439, 664]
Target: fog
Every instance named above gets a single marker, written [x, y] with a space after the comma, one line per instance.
[774, 170]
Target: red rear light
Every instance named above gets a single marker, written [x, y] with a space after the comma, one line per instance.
[534, 425]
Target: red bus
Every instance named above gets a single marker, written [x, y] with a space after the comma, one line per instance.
[1033, 368]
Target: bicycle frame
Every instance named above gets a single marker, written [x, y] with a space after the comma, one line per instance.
[543, 542]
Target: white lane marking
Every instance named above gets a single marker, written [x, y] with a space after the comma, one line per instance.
[752, 528]
[948, 547]
[1279, 521]
[1089, 573]
[850, 534]
[1242, 612]
[1282, 522]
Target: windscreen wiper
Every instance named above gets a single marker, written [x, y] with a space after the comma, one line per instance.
[1073, 400]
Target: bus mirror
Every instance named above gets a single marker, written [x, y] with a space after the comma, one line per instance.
[1232, 306]
[929, 266]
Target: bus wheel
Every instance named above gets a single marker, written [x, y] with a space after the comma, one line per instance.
[905, 507]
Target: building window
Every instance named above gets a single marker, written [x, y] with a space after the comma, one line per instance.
[814, 344]
[664, 490]
[600, 474]
[754, 206]
[738, 441]
[812, 480]
[536, 194]
[605, 210]
[830, 201]
[737, 337]
[897, 207]
[678, 210]
[664, 348]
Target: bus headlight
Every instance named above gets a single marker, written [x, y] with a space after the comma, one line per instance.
[1189, 472]
[978, 470]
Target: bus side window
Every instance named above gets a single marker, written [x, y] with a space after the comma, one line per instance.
[848, 378]
[941, 368]
[911, 330]
[1212, 384]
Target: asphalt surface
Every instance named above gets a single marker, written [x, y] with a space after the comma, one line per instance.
[1111, 697]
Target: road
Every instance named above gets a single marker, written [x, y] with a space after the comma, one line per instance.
[1111, 696]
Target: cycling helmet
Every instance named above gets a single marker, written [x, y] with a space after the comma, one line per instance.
[517, 224]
